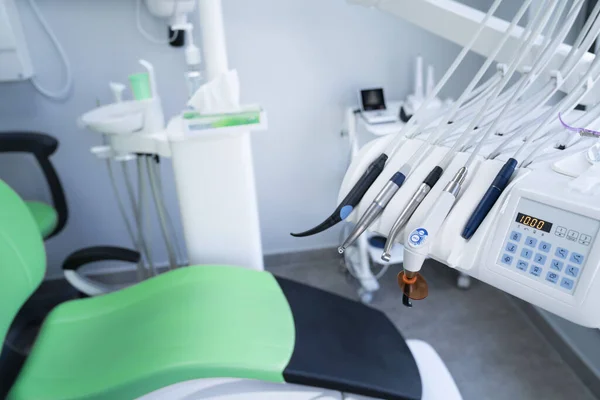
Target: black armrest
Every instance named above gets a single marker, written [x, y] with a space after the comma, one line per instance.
[28, 142]
[42, 146]
[99, 253]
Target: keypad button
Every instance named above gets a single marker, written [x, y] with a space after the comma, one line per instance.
[567, 283]
[576, 258]
[511, 247]
[522, 265]
[561, 253]
[552, 277]
[572, 235]
[560, 231]
[516, 236]
[545, 247]
[572, 271]
[526, 253]
[535, 270]
[531, 241]
[557, 265]
[506, 259]
[540, 259]
[585, 239]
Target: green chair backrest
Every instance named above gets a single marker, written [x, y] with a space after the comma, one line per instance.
[22, 256]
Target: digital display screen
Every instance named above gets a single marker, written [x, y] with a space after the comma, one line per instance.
[535, 223]
[372, 99]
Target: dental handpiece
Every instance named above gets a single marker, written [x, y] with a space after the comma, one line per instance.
[375, 209]
[409, 210]
[418, 242]
[489, 198]
[352, 199]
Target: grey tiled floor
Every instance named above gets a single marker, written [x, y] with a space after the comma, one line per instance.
[489, 346]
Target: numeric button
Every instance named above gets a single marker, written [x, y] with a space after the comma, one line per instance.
[572, 235]
[526, 253]
[561, 253]
[585, 239]
[545, 247]
[531, 241]
[560, 231]
[540, 259]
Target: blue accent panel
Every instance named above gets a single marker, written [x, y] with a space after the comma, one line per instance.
[345, 211]
[398, 178]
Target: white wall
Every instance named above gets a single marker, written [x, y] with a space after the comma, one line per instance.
[303, 60]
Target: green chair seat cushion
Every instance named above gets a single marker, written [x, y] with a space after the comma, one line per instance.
[44, 215]
[191, 323]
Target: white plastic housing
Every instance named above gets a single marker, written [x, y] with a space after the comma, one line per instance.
[480, 256]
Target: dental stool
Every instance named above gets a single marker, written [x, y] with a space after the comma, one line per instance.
[206, 332]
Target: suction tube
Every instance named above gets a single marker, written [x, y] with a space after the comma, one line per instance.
[352, 199]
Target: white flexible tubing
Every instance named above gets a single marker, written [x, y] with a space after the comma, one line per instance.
[571, 62]
[587, 31]
[457, 61]
[451, 114]
[566, 105]
[143, 210]
[120, 203]
[546, 93]
[527, 40]
[64, 91]
[584, 40]
[520, 54]
[140, 243]
[540, 63]
[160, 209]
[181, 259]
[569, 102]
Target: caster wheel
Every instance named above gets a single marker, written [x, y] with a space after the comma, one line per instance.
[463, 282]
[365, 296]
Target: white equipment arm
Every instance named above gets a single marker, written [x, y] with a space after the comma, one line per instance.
[458, 23]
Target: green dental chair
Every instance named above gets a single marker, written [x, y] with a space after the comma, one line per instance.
[194, 324]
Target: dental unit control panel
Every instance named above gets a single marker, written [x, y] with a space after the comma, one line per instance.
[547, 252]
[538, 243]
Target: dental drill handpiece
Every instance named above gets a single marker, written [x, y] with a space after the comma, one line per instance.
[418, 242]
